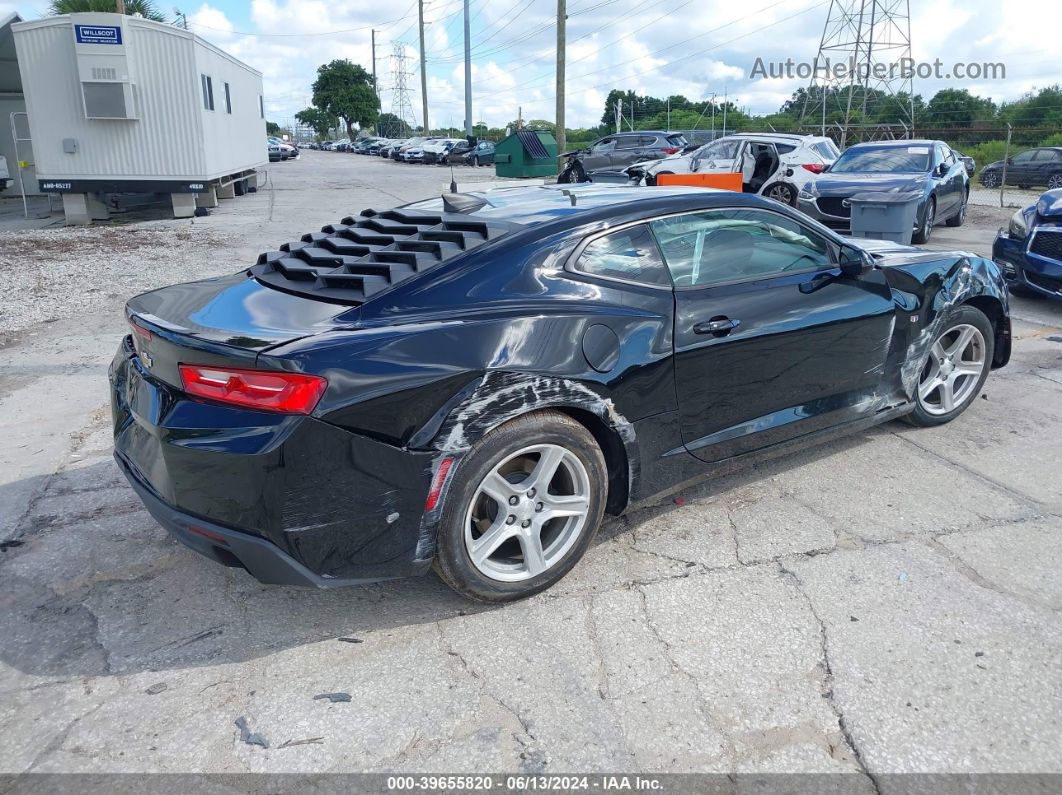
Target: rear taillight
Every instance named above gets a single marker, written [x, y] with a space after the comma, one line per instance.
[814, 168]
[670, 151]
[290, 393]
[140, 331]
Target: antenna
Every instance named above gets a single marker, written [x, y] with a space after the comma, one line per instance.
[453, 180]
[861, 34]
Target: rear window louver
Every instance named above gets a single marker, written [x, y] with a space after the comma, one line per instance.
[360, 257]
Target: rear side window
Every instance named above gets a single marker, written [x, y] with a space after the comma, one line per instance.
[677, 140]
[784, 148]
[629, 254]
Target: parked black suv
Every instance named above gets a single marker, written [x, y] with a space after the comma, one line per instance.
[616, 152]
[1039, 167]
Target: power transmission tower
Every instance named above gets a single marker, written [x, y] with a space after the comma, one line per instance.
[863, 47]
[401, 103]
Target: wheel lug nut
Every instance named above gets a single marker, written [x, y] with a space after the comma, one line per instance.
[538, 507]
[513, 500]
[531, 494]
[525, 523]
[510, 519]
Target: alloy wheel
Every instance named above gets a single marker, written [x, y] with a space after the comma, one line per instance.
[781, 192]
[527, 513]
[990, 180]
[1054, 182]
[953, 369]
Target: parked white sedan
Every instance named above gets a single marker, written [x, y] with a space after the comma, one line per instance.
[775, 165]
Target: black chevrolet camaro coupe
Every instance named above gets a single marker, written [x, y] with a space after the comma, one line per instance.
[472, 381]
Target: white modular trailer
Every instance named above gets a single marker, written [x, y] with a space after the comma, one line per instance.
[119, 103]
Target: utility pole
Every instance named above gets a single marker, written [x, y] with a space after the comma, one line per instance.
[619, 113]
[562, 17]
[468, 78]
[713, 115]
[669, 114]
[423, 69]
[375, 85]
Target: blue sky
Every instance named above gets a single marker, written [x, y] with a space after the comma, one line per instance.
[659, 47]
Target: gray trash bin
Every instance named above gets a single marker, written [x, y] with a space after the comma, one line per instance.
[885, 215]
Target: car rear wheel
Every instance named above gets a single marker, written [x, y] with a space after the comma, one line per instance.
[781, 192]
[955, 368]
[990, 179]
[928, 219]
[524, 506]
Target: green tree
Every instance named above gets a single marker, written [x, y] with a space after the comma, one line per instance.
[957, 107]
[390, 126]
[345, 90]
[145, 8]
[317, 120]
[272, 128]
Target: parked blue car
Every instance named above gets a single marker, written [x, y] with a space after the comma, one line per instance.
[1030, 249]
[930, 168]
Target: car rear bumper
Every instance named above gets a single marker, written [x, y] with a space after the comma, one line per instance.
[1038, 274]
[324, 505]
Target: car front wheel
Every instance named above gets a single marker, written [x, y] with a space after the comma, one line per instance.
[990, 179]
[475, 161]
[524, 506]
[1054, 182]
[955, 369]
[928, 219]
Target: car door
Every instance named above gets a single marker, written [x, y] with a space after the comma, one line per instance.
[1044, 165]
[719, 158]
[599, 154]
[772, 339]
[1020, 169]
[945, 175]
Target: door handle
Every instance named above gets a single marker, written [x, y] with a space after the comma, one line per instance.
[717, 326]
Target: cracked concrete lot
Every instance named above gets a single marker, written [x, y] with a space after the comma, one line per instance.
[889, 603]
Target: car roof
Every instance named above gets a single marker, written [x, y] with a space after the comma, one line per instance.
[535, 204]
[898, 142]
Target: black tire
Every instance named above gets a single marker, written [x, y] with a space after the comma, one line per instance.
[925, 229]
[786, 193]
[475, 161]
[960, 214]
[572, 174]
[990, 179]
[452, 561]
[966, 315]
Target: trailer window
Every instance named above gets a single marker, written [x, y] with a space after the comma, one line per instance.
[261, 107]
[208, 92]
[228, 99]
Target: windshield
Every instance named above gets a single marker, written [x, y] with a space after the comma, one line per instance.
[883, 160]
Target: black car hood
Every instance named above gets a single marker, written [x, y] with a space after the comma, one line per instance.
[846, 184]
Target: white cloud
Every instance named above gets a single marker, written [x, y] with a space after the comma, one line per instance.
[693, 49]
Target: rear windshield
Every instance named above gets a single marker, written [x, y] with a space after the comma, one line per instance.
[827, 149]
[883, 160]
[677, 140]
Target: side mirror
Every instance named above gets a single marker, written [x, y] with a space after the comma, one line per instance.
[942, 169]
[1010, 161]
[854, 261]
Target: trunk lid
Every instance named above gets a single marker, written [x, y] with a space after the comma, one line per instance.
[224, 321]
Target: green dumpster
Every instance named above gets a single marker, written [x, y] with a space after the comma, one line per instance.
[526, 153]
